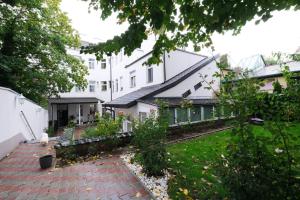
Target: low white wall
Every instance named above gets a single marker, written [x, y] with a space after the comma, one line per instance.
[12, 124]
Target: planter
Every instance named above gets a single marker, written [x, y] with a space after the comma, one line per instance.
[46, 161]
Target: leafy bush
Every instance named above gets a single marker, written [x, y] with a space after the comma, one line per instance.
[259, 166]
[106, 126]
[49, 131]
[149, 138]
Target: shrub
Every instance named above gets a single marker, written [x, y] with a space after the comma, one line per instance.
[149, 138]
[106, 126]
[259, 166]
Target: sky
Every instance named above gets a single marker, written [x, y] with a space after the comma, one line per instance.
[279, 34]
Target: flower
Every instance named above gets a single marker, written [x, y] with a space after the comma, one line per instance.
[277, 150]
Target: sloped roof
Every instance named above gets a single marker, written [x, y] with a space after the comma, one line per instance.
[176, 101]
[130, 99]
[275, 70]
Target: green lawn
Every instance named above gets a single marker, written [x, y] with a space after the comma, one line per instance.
[192, 163]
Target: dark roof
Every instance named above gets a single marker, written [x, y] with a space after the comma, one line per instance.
[73, 100]
[130, 99]
[176, 101]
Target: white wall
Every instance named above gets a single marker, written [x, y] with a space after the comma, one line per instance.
[191, 81]
[13, 124]
[178, 61]
[97, 74]
[133, 111]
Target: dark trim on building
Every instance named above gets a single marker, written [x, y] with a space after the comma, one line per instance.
[137, 60]
[189, 52]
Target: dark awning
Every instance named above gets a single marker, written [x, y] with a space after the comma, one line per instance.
[74, 100]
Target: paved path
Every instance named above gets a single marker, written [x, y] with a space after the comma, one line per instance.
[22, 178]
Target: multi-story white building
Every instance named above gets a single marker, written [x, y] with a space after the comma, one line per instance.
[122, 83]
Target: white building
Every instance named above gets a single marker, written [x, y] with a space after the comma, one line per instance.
[178, 77]
[122, 83]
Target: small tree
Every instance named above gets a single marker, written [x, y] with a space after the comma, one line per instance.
[150, 138]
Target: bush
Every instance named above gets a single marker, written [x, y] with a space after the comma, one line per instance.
[260, 166]
[149, 138]
[106, 126]
[50, 131]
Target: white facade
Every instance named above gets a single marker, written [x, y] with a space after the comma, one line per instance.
[20, 119]
[98, 75]
[190, 83]
[123, 75]
[172, 64]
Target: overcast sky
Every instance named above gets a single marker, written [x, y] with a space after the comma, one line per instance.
[280, 33]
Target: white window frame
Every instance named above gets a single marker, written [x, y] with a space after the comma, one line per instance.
[142, 116]
[103, 85]
[92, 84]
[132, 79]
[92, 63]
[103, 64]
[117, 85]
[147, 74]
[121, 83]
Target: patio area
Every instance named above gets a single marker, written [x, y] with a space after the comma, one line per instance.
[107, 178]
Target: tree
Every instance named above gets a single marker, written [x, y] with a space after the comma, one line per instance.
[177, 23]
[33, 57]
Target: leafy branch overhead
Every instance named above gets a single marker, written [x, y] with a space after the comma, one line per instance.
[176, 23]
[33, 58]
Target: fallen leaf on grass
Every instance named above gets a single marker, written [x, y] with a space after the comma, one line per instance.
[185, 192]
[138, 195]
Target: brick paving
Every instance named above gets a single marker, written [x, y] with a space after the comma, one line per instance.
[108, 178]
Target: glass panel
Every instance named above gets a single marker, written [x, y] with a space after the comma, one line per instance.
[208, 112]
[182, 115]
[171, 116]
[196, 113]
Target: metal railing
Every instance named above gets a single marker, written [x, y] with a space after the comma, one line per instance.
[28, 125]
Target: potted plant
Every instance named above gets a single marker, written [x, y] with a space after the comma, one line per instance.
[46, 161]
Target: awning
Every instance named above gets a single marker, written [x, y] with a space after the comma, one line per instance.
[74, 100]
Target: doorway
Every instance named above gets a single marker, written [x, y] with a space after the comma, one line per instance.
[62, 115]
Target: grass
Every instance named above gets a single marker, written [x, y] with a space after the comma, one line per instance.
[192, 163]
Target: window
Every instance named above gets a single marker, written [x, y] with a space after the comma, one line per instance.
[132, 79]
[172, 116]
[91, 63]
[182, 115]
[149, 74]
[186, 94]
[198, 85]
[117, 85]
[92, 86]
[103, 64]
[196, 113]
[208, 112]
[142, 116]
[77, 89]
[103, 85]
[121, 83]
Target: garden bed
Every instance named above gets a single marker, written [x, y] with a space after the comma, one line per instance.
[156, 185]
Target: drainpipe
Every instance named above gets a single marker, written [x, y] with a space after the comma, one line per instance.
[110, 75]
[164, 66]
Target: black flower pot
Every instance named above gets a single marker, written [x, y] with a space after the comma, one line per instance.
[46, 161]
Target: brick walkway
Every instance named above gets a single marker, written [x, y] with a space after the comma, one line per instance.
[22, 178]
